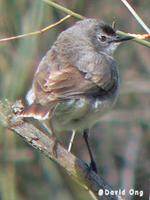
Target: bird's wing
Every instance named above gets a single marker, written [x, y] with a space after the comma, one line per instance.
[92, 74]
[100, 69]
[50, 89]
[62, 84]
[52, 84]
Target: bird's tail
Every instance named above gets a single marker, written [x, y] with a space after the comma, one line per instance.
[37, 111]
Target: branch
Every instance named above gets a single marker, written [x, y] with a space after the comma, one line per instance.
[36, 32]
[137, 38]
[75, 167]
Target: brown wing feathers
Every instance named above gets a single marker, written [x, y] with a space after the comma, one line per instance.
[64, 83]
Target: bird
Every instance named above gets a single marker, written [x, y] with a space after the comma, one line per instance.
[77, 81]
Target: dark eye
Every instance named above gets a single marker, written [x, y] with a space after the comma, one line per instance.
[102, 38]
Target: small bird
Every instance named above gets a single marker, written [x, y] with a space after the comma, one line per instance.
[77, 80]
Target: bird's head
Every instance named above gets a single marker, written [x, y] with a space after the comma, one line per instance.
[104, 38]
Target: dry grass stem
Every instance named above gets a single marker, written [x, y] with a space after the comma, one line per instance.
[36, 32]
[137, 17]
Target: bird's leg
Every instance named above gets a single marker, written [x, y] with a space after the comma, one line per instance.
[93, 163]
[71, 140]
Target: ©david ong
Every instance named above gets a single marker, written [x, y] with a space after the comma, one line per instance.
[121, 192]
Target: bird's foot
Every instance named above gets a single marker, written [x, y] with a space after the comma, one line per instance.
[93, 166]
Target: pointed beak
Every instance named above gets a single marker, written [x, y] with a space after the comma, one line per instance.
[118, 39]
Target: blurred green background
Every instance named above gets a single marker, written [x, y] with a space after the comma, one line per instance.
[121, 141]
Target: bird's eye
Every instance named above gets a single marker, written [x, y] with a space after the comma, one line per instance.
[103, 38]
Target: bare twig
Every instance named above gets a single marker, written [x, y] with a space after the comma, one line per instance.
[75, 167]
[140, 36]
[136, 39]
[36, 32]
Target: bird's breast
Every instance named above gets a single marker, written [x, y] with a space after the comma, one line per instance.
[82, 113]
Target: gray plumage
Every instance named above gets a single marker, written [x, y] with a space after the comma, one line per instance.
[77, 81]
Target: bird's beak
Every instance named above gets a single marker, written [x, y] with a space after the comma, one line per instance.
[118, 39]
